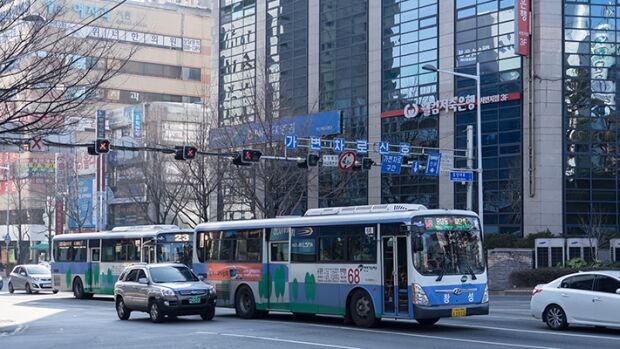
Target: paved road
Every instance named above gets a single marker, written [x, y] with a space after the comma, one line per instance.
[54, 321]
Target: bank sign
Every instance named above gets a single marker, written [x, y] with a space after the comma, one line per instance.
[454, 104]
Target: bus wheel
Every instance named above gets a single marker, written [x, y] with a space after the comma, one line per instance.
[245, 306]
[362, 310]
[78, 289]
[427, 322]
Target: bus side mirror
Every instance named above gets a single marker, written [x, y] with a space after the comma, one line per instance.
[418, 244]
[618, 291]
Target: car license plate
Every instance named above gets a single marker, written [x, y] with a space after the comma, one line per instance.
[458, 312]
[194, 300]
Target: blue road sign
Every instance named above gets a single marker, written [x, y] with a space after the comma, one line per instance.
[415, 167]
[405, 149]
[362, 146]
[338, 145]
[432, 164]
[384, 147]
[315, 143]
[291, 142]
[7, 238]
[391, 163]
[461, 176]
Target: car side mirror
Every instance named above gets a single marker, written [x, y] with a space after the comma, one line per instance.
[201, 277]
[23, 273]
[418, 244]
[143, 281]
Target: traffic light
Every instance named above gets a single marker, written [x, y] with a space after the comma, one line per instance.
[186, 152]
[312, 160]
[101, 146]
[237, 160]
[249, 155]
[367, 164]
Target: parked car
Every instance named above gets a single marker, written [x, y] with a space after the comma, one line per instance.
[585, 298]
[1, 282]
[31, 278]
[165, 289]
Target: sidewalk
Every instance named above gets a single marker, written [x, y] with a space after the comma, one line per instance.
[14, 317]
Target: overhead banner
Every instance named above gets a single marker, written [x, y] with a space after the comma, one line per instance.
[313, 125]
[522, 27]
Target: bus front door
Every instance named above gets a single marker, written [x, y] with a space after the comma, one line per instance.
[95, 259]
[395, 283]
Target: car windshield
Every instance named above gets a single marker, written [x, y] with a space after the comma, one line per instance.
[172, 274]
[36, 269]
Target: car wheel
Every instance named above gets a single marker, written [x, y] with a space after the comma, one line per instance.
[121, 310]
[11, 289]
[362, 310]
[555, 317]
[55, 291]
[427, 322]
[28, 289]
[155, 313]
[245, 306]
[209, 314]
[78, 289]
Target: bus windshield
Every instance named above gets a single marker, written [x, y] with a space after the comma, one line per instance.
[174, 248]
[452, 245]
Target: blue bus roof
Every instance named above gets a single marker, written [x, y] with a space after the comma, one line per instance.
[368, 218]
[118, 234]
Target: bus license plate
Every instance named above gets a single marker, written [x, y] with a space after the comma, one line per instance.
[194, 300]
[458, 312]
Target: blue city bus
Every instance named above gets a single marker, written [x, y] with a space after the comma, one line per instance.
[90, 263]
[400, 261]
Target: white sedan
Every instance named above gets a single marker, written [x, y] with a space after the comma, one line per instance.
[585, 298]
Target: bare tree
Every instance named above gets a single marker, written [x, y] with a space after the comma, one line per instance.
[51, 71]
[594, 226]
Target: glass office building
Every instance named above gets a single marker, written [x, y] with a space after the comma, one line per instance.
[548, 117]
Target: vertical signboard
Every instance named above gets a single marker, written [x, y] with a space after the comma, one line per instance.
[522, 27]
[137, 122]
[100, 125]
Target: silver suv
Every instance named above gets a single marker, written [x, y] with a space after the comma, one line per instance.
[163, 289]
[31, 278]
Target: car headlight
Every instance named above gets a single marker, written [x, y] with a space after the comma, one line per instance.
[419, 296]
[166, 292]
[212, 291]
[485, 297]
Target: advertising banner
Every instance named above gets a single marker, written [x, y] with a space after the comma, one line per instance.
[522, 27]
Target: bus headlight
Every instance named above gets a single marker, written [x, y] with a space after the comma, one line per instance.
[419, 296]
[485, 297]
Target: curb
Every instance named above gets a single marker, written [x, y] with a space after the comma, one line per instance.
[516, 292]
[8, 328]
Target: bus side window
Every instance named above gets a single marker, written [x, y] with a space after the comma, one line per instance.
[279, 252]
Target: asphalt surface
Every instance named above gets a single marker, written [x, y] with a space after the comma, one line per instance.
[56, 321]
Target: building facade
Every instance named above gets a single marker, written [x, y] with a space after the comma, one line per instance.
[549, 124]
[171, 63]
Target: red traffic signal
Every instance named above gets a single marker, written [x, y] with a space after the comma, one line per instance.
[249, 155]
[185, 152]
[189, 152]
[102, 146]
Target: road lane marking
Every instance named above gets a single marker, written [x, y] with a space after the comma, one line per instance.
[278, 340]
[451, 339]
[555, 333]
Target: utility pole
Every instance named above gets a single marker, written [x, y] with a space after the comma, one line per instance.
[470, 165]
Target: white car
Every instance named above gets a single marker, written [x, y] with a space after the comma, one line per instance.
[585, 298]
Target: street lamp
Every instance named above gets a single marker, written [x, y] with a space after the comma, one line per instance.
[478, 126]
[8, 211]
